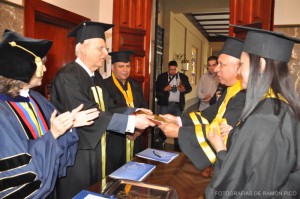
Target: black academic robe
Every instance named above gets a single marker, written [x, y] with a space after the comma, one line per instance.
[187, 139]
[29, 167]
[263, 160]
[70, 88]
[116, 144]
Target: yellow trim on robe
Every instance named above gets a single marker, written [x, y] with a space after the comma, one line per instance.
[195, 119]
[231, 92]
[271, 94]
[33, 115]
[203, 144]
[126, 94]
[129, 101]
[98, 96]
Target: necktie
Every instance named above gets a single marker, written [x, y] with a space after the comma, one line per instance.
[93, 78]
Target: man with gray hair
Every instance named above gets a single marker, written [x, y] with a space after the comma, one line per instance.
[80, 82]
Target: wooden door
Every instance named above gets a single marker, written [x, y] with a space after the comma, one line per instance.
[132, 20]
[46, 21]
[253, 13]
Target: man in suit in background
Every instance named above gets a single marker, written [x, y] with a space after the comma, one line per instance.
[171, 88]
[124, 91]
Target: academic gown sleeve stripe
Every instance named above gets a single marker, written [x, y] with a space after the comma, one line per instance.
[189, 145]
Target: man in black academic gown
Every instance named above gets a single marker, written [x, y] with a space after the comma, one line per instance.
[125, 92]
[80, 82]
[192, 131]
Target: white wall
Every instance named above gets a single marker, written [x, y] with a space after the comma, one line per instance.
[19, 2]
[87, 8]
[287, 12]
[96, 10]
[175, 44]
[106, 16]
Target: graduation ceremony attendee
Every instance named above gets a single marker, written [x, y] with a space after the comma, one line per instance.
[124, 91]
[192, 131]
[80, 82]
[171, 87]
[208, 84]
[36, 144]
[264, 155]
[170, 90]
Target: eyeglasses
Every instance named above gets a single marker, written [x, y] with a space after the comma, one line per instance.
[102, 48]
[99, 47]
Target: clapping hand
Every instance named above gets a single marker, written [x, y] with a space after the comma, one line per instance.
[84, 118]
[61, 123]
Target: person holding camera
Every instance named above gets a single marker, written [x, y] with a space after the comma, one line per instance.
[171, 87]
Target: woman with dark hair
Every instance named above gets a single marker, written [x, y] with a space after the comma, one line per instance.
[37, 145]
[262, 158]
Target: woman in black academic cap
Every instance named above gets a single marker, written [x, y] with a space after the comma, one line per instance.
[263, 160]
[35, 148]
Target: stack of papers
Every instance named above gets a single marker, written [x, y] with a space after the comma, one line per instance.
[133, 171]
[157, 155]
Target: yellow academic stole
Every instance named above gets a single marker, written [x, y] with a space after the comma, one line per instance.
[98, 96]
[129, 101]
[271, 94]
[231, 92]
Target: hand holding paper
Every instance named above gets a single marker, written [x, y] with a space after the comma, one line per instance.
[170, 118]
[144, 111]
[156, 119]
[143, 121]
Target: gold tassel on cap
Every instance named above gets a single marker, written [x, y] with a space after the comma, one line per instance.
[38, 61]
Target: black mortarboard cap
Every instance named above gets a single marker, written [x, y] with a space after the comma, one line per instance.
[232, 46]
[18, 55]
[89, 30]
[120, 56]
[268, 44]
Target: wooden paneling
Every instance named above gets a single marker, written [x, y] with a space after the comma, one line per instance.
[125, 16]
[255, 13]
[46, 21]
[132, 20]
[141, 15]
[132, 39]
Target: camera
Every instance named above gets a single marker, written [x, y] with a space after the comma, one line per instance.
[174, 89]
[220, 89]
